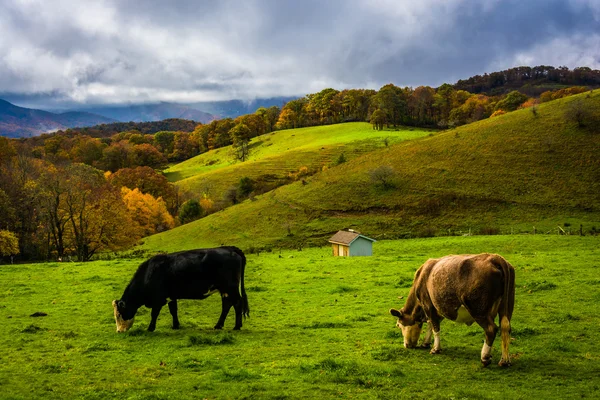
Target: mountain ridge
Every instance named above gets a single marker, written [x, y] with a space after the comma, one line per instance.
[18, 121]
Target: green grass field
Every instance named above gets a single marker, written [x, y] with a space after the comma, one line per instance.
[282, 152]
[319, 328]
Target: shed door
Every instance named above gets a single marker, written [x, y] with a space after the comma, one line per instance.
[344, 251]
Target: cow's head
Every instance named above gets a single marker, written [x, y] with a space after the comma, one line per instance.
[411, 329]
[121, 315]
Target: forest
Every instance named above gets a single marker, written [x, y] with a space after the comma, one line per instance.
[79, 192]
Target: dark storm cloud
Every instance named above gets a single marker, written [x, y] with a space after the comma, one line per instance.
[127, 51]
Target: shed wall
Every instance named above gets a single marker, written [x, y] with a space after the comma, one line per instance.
[361, 247]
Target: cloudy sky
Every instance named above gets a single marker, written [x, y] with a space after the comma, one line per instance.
[62, 52]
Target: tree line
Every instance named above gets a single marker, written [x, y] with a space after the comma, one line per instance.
[529, 80]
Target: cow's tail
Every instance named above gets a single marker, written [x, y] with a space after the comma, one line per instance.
[245, 307]
[506, 307]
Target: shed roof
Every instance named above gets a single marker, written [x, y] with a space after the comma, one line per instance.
[347, 237]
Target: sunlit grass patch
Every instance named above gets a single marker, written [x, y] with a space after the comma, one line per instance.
[206, 339]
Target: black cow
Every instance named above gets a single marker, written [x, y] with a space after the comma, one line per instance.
[193, 274]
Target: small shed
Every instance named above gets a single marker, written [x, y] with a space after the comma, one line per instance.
[351, 243]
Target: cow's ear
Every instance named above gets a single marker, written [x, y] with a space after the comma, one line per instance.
[396, 313]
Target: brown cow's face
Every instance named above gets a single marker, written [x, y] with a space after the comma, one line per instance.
[411, 330]
[122, 324]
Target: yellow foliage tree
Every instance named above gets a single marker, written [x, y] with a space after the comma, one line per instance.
[207, 204]
[148, 212]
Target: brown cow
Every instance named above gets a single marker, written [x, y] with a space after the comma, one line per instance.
[462, 288]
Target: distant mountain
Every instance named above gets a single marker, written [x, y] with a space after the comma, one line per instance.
[18, 121]
[152, 112]
[235, 108]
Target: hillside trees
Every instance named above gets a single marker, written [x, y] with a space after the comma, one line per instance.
[54, 188]
[512, 101]
[392, 101]
[378, 119]
[98, 218]
[270, 116]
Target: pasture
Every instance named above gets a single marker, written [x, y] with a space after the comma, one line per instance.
[277, 155]
[319, 328]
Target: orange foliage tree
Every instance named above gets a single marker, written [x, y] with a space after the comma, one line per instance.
[149, 213]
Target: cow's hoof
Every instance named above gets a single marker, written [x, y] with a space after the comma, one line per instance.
[237, 328]
[425, 346]
[486, 362]
[435, 351]
[175, 326]
[151, 328]
[219, 327]
[504, 363]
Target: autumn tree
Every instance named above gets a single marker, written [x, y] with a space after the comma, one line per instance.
[86, 150]
[164, 141]
[115, 156]
[392, 101]
[98, 218]
[185, 146]
[148, 212]
[54, 189]
[218, 133]
[145, 155]
[293, 114]
[378, 119]
[9, 243]
[147, 180]
[270, 116]
[255, 123]
[512, 101]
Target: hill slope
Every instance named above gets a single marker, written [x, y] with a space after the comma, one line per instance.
[18, 121]
[275, 157]
[512, 172]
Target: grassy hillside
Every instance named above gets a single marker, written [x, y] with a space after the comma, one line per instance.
[319, 327]
[276, 155]
[506, 174]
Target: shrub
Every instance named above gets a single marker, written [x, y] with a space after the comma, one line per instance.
[245, 187]
[190, 211]
[579, 112]
[341, 159]
[383, 176]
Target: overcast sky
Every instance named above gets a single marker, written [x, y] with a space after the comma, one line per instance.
[61, 52]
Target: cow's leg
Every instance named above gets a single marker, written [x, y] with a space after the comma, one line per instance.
[236, 299]
[505, 333]
[154, 315]
[427, 338]
[225, 307]
[490, 329]
[435, 321]
[173, 310]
